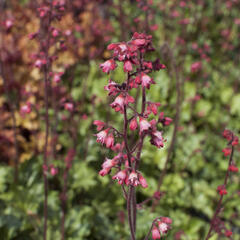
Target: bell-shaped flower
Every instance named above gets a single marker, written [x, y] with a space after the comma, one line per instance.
[109, 141]
[120, 176]
[99, 124]
[144, 124]
[101, 136]
[157, 139]
[155, 233]
[133, 124]
[108, 66]
[127, 67]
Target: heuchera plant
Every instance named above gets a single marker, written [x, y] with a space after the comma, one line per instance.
[217, 225]
[126, 163]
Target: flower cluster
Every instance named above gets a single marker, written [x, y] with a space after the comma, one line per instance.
[137, 68]
[161, 227]
[232, 141]
[216, 223]
[138, 124]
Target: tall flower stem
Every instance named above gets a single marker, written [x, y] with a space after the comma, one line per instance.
[219, 205]
[129, 151]
[45, 29]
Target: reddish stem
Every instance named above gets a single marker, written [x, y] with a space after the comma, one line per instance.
[219, 205]
[45, 30]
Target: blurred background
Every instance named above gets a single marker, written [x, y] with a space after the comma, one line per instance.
[198, 41]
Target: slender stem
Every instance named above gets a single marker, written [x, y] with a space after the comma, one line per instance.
[46, 68]
[218, 208]
[125, 136]
[134, 209]
[143, 99]
[138, 156]
[131, 191]
[139, 205]
[45, 160]
[129, 210]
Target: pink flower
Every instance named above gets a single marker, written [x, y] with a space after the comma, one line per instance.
[99, 124]
[120, 176]
[26, 109]
[118, 147]
[233, 168]
[155, 233]
[109, 163]
[55, 33]
[43, 11]
[153, 107]
[227, 134]
[182, 4]
[157, 139]
[123, 47]
[120, 101]
[133, 124]
[144, 124]
[222, 190]
[133, 179]
[104, 171]
[146, 80]
[154, 27]
[166, 220]
[39, 63]
[167, 121]
[57, 77]
[142, 181]
[127, 66]
[138, 42]
[112, 88]
[68, 107]
[235, 141]
[101, 136]
[31, 36]
[108, 66]
[8, 24]
[53, 170]
[164, 120]
[109, 141]
[228, 233]
[163, 227]
[195, 67]
[148, 65]
[226, 151]
[68, 32]
[112, 46]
